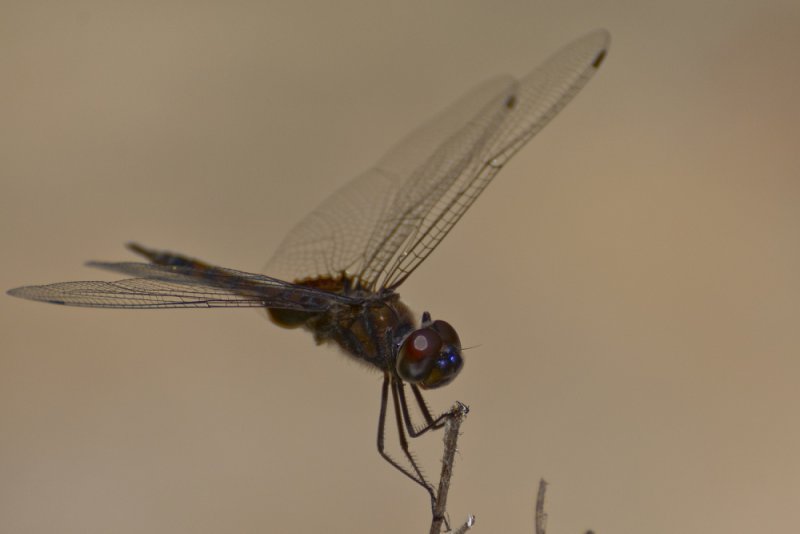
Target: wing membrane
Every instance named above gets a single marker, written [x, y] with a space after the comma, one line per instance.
[383, 224]
[161, 286]
[135, 293]
[534, 101]
[348, 231]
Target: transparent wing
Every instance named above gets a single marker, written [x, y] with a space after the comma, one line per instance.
[134, 293]
[383, 224]
[348, 227]
[159, 286]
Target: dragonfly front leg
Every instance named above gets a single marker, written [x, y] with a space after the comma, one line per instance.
[430, 422]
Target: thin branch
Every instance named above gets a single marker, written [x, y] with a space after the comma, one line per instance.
[466, 526]
[451, 428]
[541, 518]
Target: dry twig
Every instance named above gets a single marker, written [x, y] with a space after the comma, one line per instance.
[540, 521]
[451, 428]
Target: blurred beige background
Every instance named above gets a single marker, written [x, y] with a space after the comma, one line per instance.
[630, 283]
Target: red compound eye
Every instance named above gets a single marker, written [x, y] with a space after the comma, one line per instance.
[430, 356]
[447, 333]
[418, 355]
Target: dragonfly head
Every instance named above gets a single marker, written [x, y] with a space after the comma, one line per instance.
[430, 356]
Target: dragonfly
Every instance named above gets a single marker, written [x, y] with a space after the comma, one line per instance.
[336, 274]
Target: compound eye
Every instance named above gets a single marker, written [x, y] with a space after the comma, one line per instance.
[447, 333]
[447, 366]
[418, 355]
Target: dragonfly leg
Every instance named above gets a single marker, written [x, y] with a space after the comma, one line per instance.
[430, 422]
[415, 473]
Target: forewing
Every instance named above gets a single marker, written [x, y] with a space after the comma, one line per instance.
[159, 286]
[483, 147]
[135, 293]
[381, 225]
[349, 228]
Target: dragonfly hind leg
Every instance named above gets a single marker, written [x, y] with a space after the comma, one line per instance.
[415, 475]
[404, 424]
